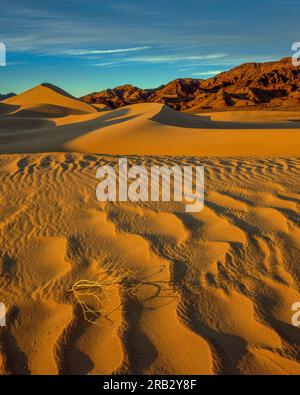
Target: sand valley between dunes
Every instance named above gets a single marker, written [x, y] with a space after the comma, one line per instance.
[186, 293]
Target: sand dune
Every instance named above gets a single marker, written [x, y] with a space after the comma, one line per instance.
[204, 293]
[148, 128]
[47, 94]
[255, 116]
[220, 282]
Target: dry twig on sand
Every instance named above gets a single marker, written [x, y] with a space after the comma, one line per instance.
[94, 296]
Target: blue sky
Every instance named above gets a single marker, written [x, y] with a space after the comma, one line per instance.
[85, 46]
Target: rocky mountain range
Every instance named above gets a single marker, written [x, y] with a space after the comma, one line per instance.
[250, 85]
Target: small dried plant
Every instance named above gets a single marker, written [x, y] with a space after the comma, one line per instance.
[94, 296]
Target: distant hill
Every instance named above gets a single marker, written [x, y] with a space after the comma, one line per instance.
[6, 96]
[255, 85]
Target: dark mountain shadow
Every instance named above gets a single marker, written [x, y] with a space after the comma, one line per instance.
[170, 117]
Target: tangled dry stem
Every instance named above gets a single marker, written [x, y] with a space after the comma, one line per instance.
[94, 296]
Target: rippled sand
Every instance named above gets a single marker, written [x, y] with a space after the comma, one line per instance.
[219, 284]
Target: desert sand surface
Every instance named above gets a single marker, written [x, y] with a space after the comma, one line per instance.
[182, 293]
[45, 119]
[220, 283]
[269, 116]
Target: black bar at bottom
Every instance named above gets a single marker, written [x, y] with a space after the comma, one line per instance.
[137, 383]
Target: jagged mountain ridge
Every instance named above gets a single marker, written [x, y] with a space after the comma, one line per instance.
[265, 85]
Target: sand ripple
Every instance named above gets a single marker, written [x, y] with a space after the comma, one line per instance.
[221, 282]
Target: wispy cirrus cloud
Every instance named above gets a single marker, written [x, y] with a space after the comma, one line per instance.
[158, 59]
[207, 73]
[43, 28]
[104, 51]
[176, 58]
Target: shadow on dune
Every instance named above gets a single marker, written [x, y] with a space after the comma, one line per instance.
[170, 117]
[15, 360]
[46, 111]
[11, 124]
[6, 109]
[69, 358]
[141, 353]
[52, 139]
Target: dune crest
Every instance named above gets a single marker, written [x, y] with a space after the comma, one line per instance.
[144, 129]
[49, 94]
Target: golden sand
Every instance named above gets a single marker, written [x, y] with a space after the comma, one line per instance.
[212, 290]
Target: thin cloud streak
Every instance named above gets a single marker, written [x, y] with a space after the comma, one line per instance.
[162, 59]
[105, 51]
[204, 73]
